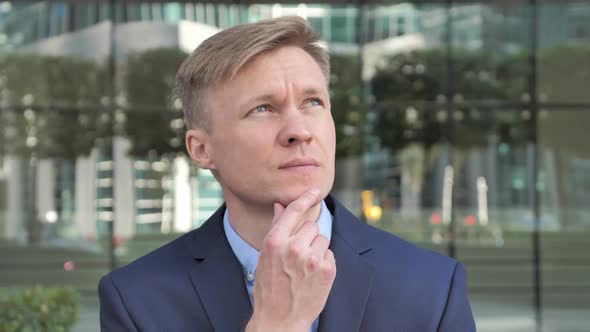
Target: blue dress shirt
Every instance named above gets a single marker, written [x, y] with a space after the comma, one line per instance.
[248, 255]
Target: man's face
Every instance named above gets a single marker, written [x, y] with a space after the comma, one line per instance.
[272, 134]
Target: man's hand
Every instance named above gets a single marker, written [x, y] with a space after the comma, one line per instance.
[295, 271]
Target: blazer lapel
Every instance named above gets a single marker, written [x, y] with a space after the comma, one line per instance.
[347, 301]
[218, 278]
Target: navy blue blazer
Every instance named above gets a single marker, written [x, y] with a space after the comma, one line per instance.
[195, 283]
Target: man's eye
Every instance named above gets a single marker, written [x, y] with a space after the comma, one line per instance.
[261, 109]
[314, 102]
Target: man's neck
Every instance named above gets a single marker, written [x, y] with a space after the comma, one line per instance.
[252, 223]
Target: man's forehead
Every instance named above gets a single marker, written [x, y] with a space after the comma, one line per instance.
[282, 58]
[269, 71]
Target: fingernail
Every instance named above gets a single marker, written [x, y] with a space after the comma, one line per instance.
[314, 191]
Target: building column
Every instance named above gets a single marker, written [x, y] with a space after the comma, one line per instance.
[14, 216]
[182, 195]
[45, 191]
[123, 174]
[85, 195]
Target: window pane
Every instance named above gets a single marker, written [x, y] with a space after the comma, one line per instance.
[565, 219]
[491, 49]
[53, 128]
[564, 42]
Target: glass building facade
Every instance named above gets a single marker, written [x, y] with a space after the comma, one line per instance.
[461, 127]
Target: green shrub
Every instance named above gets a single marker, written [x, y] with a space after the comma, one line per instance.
[38, 309]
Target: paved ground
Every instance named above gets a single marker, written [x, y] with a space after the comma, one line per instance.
[88, 316]
[491, 316]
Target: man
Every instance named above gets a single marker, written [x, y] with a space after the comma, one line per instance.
[281, 254]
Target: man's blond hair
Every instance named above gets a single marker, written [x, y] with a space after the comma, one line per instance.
[220, 57]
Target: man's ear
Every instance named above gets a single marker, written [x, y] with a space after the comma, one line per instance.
[198, 147]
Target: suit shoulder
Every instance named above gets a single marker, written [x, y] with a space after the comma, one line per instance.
[172, 256]
[176, 256]
[424, 285]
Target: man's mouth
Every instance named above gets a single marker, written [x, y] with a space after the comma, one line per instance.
[300, 164]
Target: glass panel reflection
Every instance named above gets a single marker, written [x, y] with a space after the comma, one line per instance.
[490, 51]
[404, 65]
[492, 188]
[493, 159]
[563, 74]
[54, 127]
[434, 128]
[564, 47]
[565, 219]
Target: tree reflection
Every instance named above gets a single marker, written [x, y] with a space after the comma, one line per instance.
[415, 113]
[154, 121]
[419, 81]
[348, 110]
[54, 105]
[50, 110]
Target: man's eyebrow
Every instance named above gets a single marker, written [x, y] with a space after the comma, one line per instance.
[270, 97]
[312, 91]
[258, 99]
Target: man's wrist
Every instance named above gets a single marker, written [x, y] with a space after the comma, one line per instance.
[258, 325]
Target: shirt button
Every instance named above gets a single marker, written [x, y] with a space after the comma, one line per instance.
[250, 276]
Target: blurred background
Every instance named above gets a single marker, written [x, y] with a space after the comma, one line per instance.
[461, 127]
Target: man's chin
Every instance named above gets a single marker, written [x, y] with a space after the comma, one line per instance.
[288, 198]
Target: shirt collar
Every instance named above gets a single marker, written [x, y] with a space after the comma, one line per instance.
[248, 255]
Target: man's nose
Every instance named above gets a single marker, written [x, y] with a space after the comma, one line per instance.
[295, 131]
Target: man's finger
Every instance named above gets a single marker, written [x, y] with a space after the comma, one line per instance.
[306, 234]
[320, 245]
[278, 211]
[329, 257]
[293, 213]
